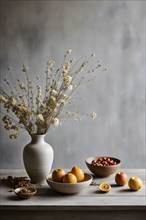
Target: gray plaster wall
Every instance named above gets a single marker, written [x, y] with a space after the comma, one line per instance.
[115, 30]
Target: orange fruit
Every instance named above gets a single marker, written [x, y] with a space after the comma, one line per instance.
[105, 187]
[58, 175]
[135, 183]
[78, 172]
[69, 178]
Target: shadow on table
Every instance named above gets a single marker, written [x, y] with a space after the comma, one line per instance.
[100, 192]
[46, 191]
[41, 192]
[126, 190]
[121, 188]
[15, 198]
[115, 185]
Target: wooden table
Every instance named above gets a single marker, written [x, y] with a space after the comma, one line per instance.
[119, 203]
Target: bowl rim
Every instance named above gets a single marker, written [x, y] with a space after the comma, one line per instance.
[48, 179]
[119, 161]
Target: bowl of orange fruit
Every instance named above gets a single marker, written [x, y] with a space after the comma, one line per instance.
[69, 182]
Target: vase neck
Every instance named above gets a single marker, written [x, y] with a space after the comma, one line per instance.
[37, 138]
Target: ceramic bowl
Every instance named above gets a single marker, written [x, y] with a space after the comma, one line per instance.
[69, 188]
[102, 171]
[25, 195]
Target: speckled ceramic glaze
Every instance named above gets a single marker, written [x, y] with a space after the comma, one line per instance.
[38, 158]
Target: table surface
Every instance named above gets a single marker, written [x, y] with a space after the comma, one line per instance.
[91, 198]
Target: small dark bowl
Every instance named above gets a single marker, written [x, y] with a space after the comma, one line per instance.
[25, 196]
[102, 171]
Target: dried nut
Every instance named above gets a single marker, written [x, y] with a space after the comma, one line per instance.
[16, 182]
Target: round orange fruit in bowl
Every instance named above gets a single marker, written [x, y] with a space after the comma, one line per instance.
[69, 178]
[58, 175]
[78, 172]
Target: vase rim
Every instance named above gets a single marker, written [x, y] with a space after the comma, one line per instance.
[37, 135]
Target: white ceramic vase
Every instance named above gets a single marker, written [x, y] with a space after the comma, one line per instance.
[38, 158]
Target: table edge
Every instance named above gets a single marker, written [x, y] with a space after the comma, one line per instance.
[71, 208]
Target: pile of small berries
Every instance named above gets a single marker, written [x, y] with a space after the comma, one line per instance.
[104, 161]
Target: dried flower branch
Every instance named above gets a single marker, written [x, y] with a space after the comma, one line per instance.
[38, 112]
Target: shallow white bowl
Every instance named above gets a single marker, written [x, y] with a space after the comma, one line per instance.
[69, 188]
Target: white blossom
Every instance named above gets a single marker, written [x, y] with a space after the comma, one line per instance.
[93, 115]
[55, 122]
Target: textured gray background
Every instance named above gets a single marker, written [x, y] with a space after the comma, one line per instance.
[115, 29]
